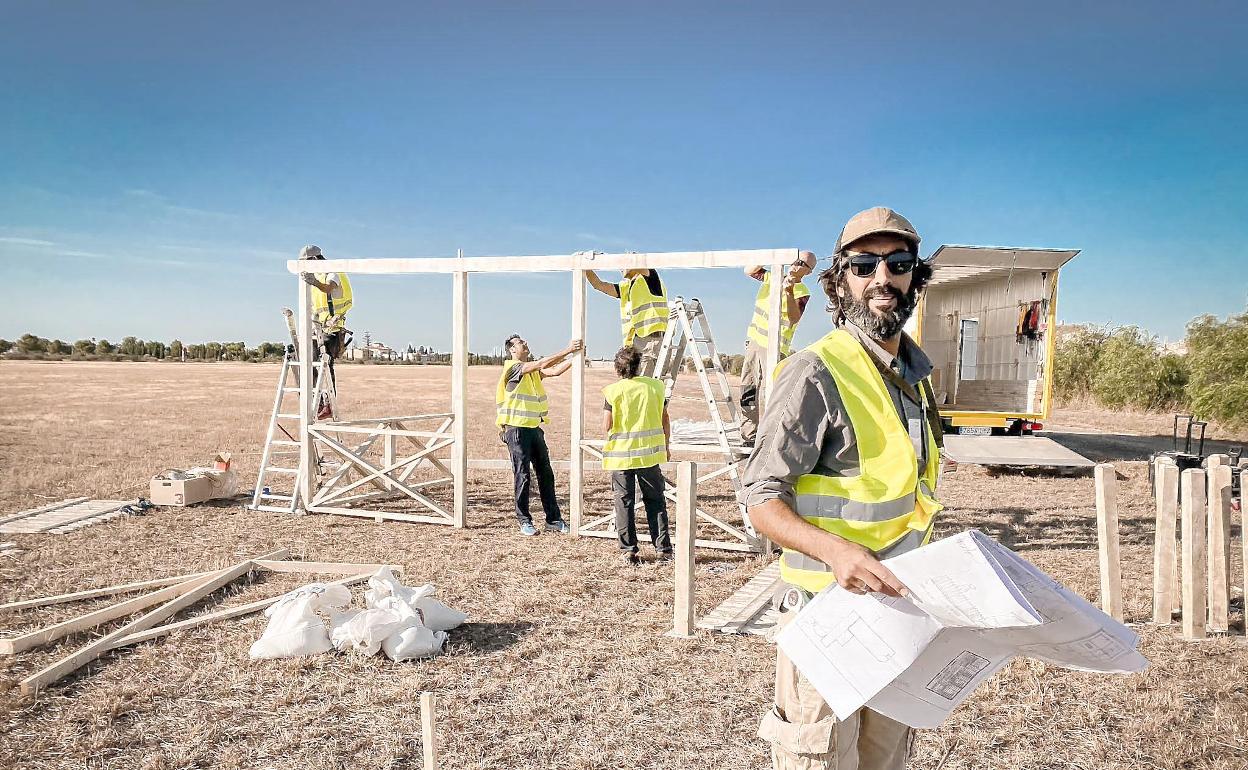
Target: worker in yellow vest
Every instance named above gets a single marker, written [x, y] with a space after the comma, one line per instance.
[521, 410]
[792, 306]
[331, 299]
[844, 474]
[643, 312]
[638, 431]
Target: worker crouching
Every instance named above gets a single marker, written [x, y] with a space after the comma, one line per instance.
[638, 432]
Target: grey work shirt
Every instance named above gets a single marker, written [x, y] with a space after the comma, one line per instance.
[806, 429]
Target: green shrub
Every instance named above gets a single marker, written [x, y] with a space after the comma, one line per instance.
[1217, 353]
[1127, 370]
[1075, 360]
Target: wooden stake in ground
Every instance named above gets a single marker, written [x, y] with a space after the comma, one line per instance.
[1164, 541]
[685, 535]
[1243, 537]
[1192, 485]
[1219, 518]
[1107, 540]
[429, 737]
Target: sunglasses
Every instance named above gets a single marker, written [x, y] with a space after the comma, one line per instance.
[864, 265]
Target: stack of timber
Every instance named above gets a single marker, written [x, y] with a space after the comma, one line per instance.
[65, 516]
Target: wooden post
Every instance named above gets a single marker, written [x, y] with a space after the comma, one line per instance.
[1164, 542]
[428, 737]
[459, 393]
[1218, 503]
[1193, 490]
[387, 458]
[1243, 537]
[686, 533]
[775, 302]
[576, 424]
[308, 466]
[1107, 540]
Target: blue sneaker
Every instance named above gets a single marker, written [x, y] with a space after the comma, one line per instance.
[558, 526]
[528, 529]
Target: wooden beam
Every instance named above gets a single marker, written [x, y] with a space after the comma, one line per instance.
[43, 509]
[459, 395]
[775, 306]
[332, 567]
[95, 593]
[553, 263]
[576, 422]
[1165, 542]
[1243, 539]
[1218, 506]
[42, 636]
[428, 735]
[228, 612]
[1192, 488]
[202, 588]
[686, 534]
[1107, 540]
[305, 487]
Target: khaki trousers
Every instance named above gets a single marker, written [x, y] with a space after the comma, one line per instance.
[649, 347]
[751, 389]
[805, 734]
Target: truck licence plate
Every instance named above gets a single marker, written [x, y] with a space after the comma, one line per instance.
[975, 430]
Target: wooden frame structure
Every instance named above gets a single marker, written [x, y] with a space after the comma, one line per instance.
[390, 477]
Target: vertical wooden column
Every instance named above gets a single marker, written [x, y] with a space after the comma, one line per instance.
[775, 308]
[1243, 537]
[1107, 540]
[459, 393]
[576, 423]
[428, 736]
[1218, 503]
[388, 447]
[1192, 488]
[685, 535]
[1165, 545]
[308, 467]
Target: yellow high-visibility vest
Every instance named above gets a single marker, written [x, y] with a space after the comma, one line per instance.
[885, 507]
[525, 405]
[636, 439]
[759, 325]
[330, 310]
[641, 313]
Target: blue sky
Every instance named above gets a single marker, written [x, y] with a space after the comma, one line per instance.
[160, 161]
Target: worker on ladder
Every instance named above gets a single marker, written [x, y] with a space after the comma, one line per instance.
[638, 432]
[331, 299]
[643, 312]
[522, 408]
[844, 474]
[796, 295]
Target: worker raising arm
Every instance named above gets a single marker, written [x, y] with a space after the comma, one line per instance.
[844, 473]
[331, 299]
[643, 312]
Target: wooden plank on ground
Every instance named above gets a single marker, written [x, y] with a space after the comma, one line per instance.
[748, 610]
[95, 593]
[200, 589]
[42, 509]
[333, 567]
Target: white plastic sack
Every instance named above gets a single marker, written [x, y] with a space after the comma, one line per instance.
[294, 627]
[384, 584]
[439, 617]
[364, 632]
[414, 642]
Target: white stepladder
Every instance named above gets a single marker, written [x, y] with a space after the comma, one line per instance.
[277, 448]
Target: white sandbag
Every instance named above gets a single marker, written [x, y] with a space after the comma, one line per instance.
[414, 642]
[384, 584]
[439, 617]
[295, 628]
[364, 632]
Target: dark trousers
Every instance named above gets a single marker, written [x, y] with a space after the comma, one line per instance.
[651, 482]
[527, 447]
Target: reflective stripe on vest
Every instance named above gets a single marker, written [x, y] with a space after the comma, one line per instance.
[641, 313]
[524, 406]
[884, 506]
[636, 436]
[757, 333]
[333, 306]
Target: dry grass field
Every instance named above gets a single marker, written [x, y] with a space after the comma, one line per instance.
[563, 664]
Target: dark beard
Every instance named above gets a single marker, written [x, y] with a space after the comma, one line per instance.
[881, 327]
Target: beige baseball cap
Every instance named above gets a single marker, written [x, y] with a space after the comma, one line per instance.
[310, 252]
[876, 220]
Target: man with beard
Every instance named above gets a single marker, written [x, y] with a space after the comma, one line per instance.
[844, 474]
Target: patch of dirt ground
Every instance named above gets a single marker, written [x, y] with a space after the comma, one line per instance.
[564, 663]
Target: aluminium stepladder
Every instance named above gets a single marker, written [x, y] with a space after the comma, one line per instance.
[277, 448]
[688, 336]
